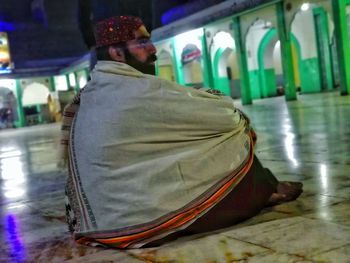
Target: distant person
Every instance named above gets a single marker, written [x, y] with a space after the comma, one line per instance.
[5, 118]
[150, 160]
[8, 112]
[54, 109]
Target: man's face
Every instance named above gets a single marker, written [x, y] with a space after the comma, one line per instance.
[141, 53]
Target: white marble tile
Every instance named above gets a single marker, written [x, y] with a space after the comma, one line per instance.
[338, 213]
[307, 203]
[274, 257]
[306, 170]
[341, 192]
[57, 250]
[297, 236]
[305, 140]
[212, 248]
[266, 215]
[107, 256]
[338, 255]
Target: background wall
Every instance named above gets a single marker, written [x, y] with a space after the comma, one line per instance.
[253, 40]
[180, 41]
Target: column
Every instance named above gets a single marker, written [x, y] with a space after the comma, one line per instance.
[77, 84]
[207, 70]
[52, 86]
[68, 82]
[179, 76]
[343, 43]
[324, 48]
[242, 62]
[286, 54]
[20, 110]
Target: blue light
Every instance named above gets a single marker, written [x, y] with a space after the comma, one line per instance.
[4, 71]
[14, 241]
[5, 26]
[173, 14]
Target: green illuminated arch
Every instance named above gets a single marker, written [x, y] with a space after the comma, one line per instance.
[267, 77]
[221, 83]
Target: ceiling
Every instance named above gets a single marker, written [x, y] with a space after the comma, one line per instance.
[45, 35]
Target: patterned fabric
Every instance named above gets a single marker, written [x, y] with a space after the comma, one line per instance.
[140, 170]
[72, 210]
[68, 116]
[177, 221]
[116, 29]
[73, 215]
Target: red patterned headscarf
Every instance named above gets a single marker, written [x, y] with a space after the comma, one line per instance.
[116, 29]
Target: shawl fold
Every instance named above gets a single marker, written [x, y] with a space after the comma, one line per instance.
[147, 157]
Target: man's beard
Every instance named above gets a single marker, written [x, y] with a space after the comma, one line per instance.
[146, 67]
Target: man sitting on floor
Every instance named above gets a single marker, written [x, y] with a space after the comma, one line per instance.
[150, 160]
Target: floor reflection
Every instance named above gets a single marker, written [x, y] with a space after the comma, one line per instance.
[13, 176]
[13, 188]
[14, 241]
[289, 141]
[306, 140]
[324, 176]
[324, 209]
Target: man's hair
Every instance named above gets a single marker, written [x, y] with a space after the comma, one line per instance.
[102, 53]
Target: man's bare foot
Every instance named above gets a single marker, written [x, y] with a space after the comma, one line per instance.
[286, 191]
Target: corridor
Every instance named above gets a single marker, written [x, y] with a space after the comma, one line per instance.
[307, 140]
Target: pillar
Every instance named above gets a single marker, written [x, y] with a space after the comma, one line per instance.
[324, 48]
[77, 84]
[242, 62]
[343, 43]
[179, 76]
[20, 111]
[286, 54]
[52, 86]
[68, 82]
[207, 65]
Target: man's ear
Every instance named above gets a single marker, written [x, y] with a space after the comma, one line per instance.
[116, 54]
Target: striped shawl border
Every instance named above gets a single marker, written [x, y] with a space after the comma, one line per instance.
[88, 215]
[150, 227]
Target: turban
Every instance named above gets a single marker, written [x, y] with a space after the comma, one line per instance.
[116, 29]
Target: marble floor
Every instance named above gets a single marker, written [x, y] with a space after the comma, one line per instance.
[306, 140]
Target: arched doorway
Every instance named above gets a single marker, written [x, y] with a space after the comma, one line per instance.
[269, 64]
[261, 40]
[225, 65]
[165, 66]
[271, 80]
[192, 68]
[311, 26]
[188, 60]
[35, 103]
